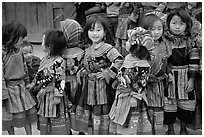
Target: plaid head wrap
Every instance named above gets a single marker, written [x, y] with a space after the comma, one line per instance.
[72, 31]
[140, 36]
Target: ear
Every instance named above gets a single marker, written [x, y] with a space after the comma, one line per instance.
[105, 32]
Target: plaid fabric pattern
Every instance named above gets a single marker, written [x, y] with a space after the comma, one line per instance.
[72, 31]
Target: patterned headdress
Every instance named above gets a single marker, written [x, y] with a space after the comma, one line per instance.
[72, 31]
[140, 36]
[137, 35]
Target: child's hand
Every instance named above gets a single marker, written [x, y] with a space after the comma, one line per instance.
[171, 77]
[190, 85]
[29, 87]
[100, 75]
[103, 75]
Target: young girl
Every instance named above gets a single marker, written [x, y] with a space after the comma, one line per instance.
[73, 55]
[18, 107]
[159, 71]
[180, 98]
[197, 119]
[101, 63]
[129, 113]
[32, 61]
[50, 80]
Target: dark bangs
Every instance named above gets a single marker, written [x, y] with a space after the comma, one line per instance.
[90, 24]
[185, 17]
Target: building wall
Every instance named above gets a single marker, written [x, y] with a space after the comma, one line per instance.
[38, 17]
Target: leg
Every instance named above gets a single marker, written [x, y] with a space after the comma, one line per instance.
[44, 125]
[97, 123]
[183, 130]
[170, 130]
[185, 116]
[169, 119]
[28, 129]
[11, 131]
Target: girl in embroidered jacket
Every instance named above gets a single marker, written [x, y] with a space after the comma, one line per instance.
[18, 107]
[101, 63]
[159, 71]
[129, 113]
[180, 97]
[32, 62]
[50, 80]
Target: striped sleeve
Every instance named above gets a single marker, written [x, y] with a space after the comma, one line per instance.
[117, 59]
[194, 61]
[195, 57]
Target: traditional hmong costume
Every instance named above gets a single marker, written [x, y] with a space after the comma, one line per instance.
[197, 118]
[129, 113]
[143, 37]
[73, 55]
[52, 107]
[158, 80]
[184, 62]
[18, 107]
[33, 66]
[121, 32]
[96, 95]
[72, 31]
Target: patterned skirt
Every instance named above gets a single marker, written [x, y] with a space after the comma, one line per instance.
[92, 119]
[176, 94]
[59, 125]
[155, 95]
[136, 123]
[21, 105]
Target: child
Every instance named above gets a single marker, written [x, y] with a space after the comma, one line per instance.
[101, 63]
[121, 32]
[50, 80]
[158, 71]
[112, 10]
[18, 106]
[73, 55]
[129, 114]
[32, 62]
[180, 98]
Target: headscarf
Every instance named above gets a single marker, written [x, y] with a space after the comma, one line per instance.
[140, 36]
[72, 31]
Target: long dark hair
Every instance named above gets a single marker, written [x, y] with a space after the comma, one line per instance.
[140, 51]
[55, 40]
[11, 32]
[185, 17]
[90, 24]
